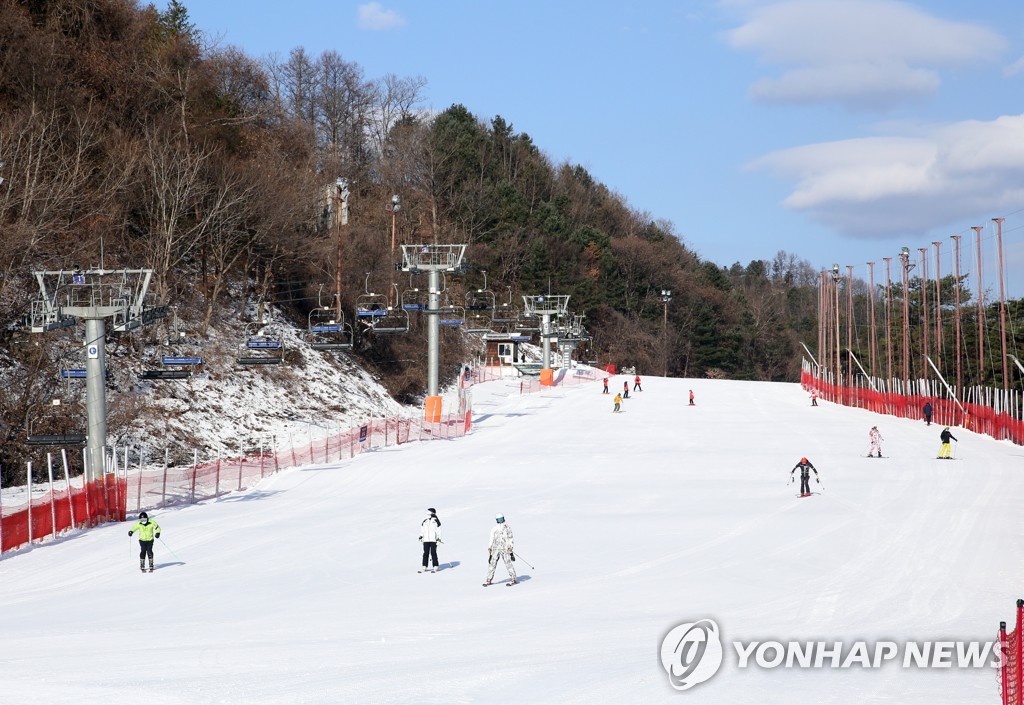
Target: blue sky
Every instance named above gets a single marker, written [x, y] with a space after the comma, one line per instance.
[838, 130]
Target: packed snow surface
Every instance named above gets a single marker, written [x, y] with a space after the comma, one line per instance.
[306, 590]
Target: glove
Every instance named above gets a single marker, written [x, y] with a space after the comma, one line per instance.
[421, 538]
[158, 534]
[512, 556]
[129, 533]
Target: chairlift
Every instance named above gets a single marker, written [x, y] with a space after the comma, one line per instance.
[506, 313]
[452, 316]
[370, 306]
[260, 348]
[328, 331]
[174, 366]
[415, 299]
[52, 430]
[395, 320]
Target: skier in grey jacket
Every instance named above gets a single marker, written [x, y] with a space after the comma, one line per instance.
[500, 546]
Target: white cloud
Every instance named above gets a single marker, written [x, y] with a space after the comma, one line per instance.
[874, 52]
[374, 17]
[882, 186]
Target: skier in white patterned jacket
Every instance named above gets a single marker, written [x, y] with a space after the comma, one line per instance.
[500, 546]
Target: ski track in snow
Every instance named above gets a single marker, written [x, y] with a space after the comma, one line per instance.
[305, 589]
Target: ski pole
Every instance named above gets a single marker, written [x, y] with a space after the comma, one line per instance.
[526, 562]
[169, 549]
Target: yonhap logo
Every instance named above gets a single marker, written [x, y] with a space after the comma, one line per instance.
[691, 653]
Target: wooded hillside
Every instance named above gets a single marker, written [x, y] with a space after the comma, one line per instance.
[127, 141]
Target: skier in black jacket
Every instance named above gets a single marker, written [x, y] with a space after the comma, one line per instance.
[805, 476]
[945, 436]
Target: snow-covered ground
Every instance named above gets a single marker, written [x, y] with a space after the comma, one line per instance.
[305, 590]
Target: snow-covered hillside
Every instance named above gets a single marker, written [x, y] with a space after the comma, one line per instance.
[305, 589]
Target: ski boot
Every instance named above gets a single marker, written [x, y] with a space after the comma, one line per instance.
[142, 564]
[150, 566]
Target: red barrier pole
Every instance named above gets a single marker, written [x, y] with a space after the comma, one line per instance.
[1017, 654]
[1003, 679]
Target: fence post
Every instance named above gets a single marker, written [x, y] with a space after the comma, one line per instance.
[216, 486]
[241, 463]
[1, 509]
[1003, 679]
[30, 502]
[163, 489]
[195, 469]
[1017, 654]
[67, 481]
[53, 505]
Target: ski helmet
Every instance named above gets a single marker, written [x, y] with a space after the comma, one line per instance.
[143, 515]
[500, 518]
[803, 460]
[431, 510]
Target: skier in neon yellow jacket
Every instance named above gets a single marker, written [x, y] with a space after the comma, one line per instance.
[148, 530]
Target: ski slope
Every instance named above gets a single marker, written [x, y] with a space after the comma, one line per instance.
[305, 589]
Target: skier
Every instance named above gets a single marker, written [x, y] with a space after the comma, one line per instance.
[691, 397]
[805, 476]
[814, 397]
[500, 546]
[927, 411]
[876, 441]
[625, 390]
[636, 384]
[944, 452]
[147, 531]
[605, 386]
[430, 536]
[618, 403]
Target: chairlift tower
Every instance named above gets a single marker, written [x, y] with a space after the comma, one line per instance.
[94, 296]
[433, 259]
[546, 306]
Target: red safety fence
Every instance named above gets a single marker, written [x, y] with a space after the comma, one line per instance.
[1010, 667]
[945, 412]
[155, 487]
[56, 510]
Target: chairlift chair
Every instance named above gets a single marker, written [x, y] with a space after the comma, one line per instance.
[395, 320]
[260, 348]
[328, 331]
[178, 364]
[45, 432]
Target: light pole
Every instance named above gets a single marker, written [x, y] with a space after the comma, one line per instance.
[341, 194]
[666, 296]
[835, 285]
[907, 266]
[396, 206]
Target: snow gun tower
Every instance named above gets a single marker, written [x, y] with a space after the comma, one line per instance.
[94, 296]
[433, 259]
[546, 306]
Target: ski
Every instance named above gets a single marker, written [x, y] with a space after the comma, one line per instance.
[510, 584]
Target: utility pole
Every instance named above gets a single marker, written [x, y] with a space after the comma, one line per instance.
[888, 318]
[956, 312]
[907, 266]
[925, 333]
[981, 310]
[839, 369]
[938, 306]
[1002, 303]
[871, 316]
